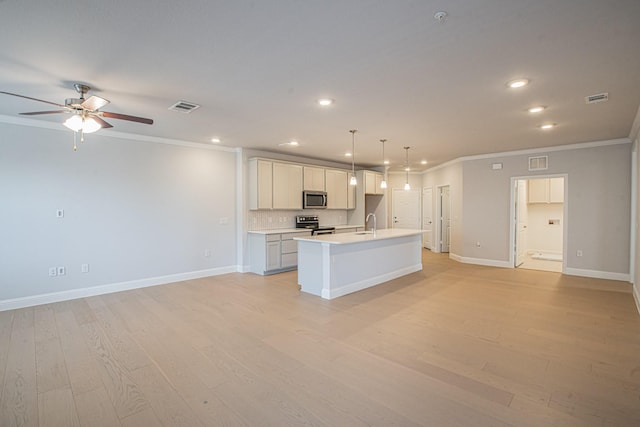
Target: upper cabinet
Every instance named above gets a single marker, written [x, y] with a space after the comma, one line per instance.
[260, 184]
[546, 190]
[313, 179]
[277, 184]
[287, 186]
[337, 183]
[372, 181]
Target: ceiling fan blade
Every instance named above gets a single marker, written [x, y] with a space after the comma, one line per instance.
[126, 117]
[33, 99]
[102, 123]
[94, 103]
[35, 113]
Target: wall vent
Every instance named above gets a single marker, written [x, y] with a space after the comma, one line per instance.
[184, 106]
[538, 163]
[599, 97]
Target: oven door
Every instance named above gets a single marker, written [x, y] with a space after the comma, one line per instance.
[319, 232]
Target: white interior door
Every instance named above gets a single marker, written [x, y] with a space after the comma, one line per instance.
[445, 218]
[406, 209]
[521, 221]
[427, 217]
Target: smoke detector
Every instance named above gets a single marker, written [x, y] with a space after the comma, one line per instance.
[440, 16]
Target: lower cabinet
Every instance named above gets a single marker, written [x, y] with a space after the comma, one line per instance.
[274, 253]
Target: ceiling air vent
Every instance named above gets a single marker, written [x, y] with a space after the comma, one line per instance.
[539, 163]
[600, 97]
[184, 106]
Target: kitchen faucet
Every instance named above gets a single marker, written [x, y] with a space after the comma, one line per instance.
[366, 221]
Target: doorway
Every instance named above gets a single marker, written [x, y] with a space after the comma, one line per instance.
[444, 218]
[405, 208]
[538, 227]
[427, 217]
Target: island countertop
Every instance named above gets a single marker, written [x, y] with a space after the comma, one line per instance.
[360, 237]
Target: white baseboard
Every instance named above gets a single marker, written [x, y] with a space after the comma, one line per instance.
[480, 261]
[624, 277]
[367, 283]
[11, 304]
[636, 296]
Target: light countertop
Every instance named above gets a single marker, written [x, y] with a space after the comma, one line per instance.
[359, 237]
[298, 230]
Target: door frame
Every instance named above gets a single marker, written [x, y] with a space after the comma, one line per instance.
[438, 231]
[424, 189]
[512, 217]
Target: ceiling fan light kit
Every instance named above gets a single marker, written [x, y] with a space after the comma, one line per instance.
[86, 115]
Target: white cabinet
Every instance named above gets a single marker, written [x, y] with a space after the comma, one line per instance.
[273, 253]
[372, 181]
[260, 184]
[556, 190]
[313, 179]
[337, 183]
[287, 186]
[546, 190]
[351, 197]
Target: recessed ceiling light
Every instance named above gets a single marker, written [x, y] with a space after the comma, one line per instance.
[518, 83]
[424, 162]
[548, 126]
[537, 109]
[386, 162]
[292, 143]
[347, 154]
[325, 101]
[215, 140]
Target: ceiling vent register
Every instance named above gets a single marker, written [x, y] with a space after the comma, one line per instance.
[184, 107]
[593, 99]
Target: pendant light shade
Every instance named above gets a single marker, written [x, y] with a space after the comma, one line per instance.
[353, 180]
[406, 184]
[383, 184]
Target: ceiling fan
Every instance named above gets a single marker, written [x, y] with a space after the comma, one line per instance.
[86, 114]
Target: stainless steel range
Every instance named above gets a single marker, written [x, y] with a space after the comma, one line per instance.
[311, 222]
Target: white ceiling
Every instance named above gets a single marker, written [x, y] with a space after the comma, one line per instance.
[258, 67]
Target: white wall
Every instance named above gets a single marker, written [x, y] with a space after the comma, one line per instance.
[136, 212]
[598, 198]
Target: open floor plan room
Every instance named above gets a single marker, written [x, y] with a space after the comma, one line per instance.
[454, 344]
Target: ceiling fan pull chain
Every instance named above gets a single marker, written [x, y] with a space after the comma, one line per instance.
[75, 147]
[81, 135]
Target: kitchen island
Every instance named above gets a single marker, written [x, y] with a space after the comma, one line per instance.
[333, 265]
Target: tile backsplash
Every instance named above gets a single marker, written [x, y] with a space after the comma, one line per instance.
[268, 220]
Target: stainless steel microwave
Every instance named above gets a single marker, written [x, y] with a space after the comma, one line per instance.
[314, 199]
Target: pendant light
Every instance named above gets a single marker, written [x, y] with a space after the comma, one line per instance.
[406, 184]
[353, 180]
[383, 184]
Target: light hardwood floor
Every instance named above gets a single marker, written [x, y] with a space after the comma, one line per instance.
[454, 344]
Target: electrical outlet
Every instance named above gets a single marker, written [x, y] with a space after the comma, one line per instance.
[579, 252]
[62, 271]
[53, 271]
[60, 213]
[84, 268]
[477, 244]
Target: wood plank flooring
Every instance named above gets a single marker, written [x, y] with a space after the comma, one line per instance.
[452, 345]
